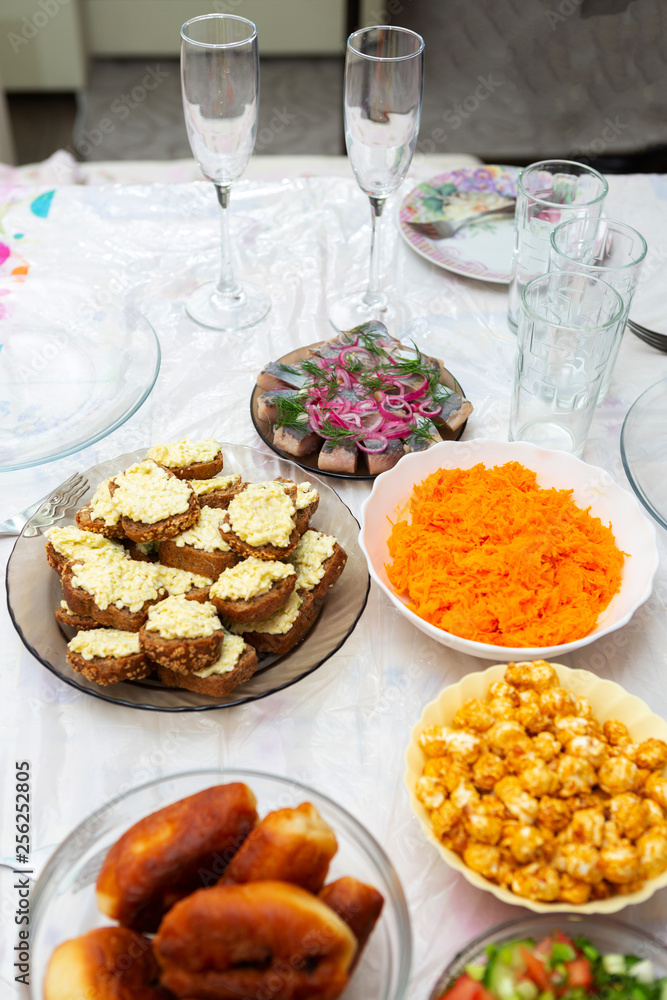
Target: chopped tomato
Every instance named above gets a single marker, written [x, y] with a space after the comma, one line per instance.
[579, 973]
[466, 988]
[535, 969]
[564, 939]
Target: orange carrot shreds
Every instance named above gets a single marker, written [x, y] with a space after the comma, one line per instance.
[489, 555]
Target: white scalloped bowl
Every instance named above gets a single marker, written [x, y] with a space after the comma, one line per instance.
[608, 700]
[592, 487]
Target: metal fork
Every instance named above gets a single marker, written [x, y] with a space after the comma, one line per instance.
[45, 512]
[440, 229]
[658, 340]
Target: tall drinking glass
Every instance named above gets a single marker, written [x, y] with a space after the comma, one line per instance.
[567, 326]
[384, 72]
[548, 193]
[604, 249]
[220, 84]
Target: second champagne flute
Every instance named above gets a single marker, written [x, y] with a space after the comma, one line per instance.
[220, 83]
[384, 72]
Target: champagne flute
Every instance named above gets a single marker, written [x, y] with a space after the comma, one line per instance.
[220, 84]
[384, 72]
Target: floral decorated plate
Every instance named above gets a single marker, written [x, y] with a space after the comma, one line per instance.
[482, 248]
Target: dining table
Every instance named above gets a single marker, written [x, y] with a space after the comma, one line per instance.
[148, 234]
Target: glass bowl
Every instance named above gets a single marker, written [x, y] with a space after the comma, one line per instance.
[63, 901]
[592, 488]
[608, 936]
[69, 376]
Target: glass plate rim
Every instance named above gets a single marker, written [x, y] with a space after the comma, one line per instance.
[659, 516]
[118, 422]
[452, 267]
[352, 476]
[101, 692]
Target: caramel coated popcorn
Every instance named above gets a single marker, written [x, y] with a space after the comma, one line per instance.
[538, 796]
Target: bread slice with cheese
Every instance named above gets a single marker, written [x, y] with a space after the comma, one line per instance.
[280, 633]
[201, 549]
[236, 664]
[189, 459]
[218, 491]
[261, 521]
[108, 656]
[319, 560]
[253, 589]
[182, 635]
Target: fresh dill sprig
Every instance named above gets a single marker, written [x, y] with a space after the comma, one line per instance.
[290, 411]
[338, 435]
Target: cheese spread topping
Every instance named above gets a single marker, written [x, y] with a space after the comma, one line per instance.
[178, 618]
[71, 541]
[205, 532]
[203, 486]
[105, 642]
[262, 515]
[148, 493]
[179, 581]
[276, 624]
[305, 495]
[309, 556]
[103, 506]
[111, 579]
[233, 647]
[184, 452]
[249, 578]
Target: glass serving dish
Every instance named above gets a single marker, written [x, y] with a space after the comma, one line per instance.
[34, 592]
[608, 936]
[69, 378]
[644, 449]
[63, 901]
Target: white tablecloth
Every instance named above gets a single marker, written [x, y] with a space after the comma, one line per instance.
[343, 729]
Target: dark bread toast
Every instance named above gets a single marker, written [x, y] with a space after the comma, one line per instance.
[86, 522]
[107, 670]
[181, 655]
[266, 642]
[333, 567]
[197, 470]
[256, 608]
[200, 561]
[215, 685]
[80, 602]
[168, 527]
[82, 623]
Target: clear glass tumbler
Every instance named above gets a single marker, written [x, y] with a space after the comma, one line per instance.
[567, 326]
[548, 193]
[604, 249]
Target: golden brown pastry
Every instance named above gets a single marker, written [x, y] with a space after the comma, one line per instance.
[109, 963]
[263, 939]
[292, 845]
[171, 852]
[358, 904]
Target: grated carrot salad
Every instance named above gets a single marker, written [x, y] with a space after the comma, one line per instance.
[489, 555]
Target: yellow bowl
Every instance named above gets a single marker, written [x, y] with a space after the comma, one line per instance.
[608, 700]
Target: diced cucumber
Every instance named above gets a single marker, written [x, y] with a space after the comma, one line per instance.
[562, 952]
[643, 971]
[475, 972]
[526, 989]
[511, 956]
[502, 980]
[614, 965]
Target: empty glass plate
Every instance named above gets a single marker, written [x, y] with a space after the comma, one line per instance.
[68, 377]
[644, 449]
